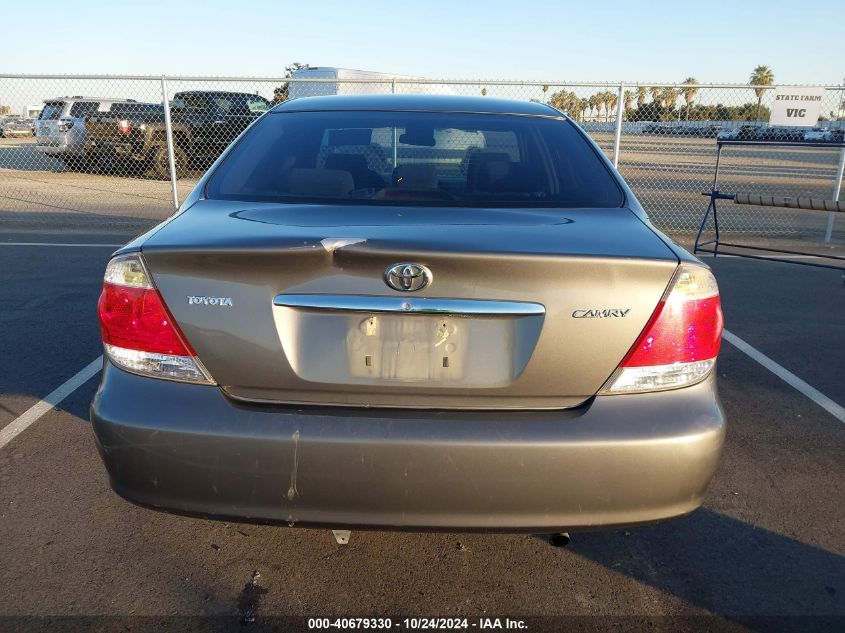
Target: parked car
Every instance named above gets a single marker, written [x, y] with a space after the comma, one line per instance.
[203, 124]
[14, 126]
[741, 133]
[837, 135]
[779, 134]
[818, 135]
[686, 130]
[60, 128]
[432, 335]
[710, 131]
[656, 128]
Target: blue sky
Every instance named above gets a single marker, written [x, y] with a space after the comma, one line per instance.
[712, 40]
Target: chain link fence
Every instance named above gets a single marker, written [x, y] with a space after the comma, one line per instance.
[116, 153]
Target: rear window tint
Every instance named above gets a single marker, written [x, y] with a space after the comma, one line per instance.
[80, 108]
[241, 104]
[435, 159]
[135, 109]
[51, 111]
[257, 105]
[193, 101]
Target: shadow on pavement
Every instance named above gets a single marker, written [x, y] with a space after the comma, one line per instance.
[731, 568]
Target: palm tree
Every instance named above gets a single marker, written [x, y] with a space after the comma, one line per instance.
[613, 100]
[670, 98]
[641, 94]
[689, 92]
[584, 103]
[567, 102]
[593, 102]
[607, 98]
[761, 76]
[629, 99]
[655, 94]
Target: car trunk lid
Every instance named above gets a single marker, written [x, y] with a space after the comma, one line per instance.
[526, 309]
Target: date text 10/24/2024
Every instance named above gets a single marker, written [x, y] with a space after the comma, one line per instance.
[482, 624]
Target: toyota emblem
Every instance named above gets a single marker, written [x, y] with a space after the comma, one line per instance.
[407, 277]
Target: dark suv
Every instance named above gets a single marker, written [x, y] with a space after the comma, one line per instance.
[203, 122]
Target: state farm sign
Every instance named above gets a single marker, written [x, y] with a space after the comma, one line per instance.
[796, 105]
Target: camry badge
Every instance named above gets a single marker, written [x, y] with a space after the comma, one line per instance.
[601, 314]
[407, 277]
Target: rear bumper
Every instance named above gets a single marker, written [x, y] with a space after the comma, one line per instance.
[115, 148]
[619, 460]
[62, 149]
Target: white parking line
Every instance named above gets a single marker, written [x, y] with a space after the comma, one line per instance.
[59, 244]
[31, 415]
[773, 256]
[836, 410]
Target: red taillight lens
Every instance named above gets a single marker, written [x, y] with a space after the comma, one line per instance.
[137, 319]
[681, 340]
[679, 332]
[139, 333]
[124, 126]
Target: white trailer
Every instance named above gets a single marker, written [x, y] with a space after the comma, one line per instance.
[347, 81]
[32, 111]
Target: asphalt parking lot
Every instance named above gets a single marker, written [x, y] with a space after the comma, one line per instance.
[765, 553]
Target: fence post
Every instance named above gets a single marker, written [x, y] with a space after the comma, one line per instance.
[837, 186]
[168, 133]
[828, 234]
[620, 111]
[395, 132]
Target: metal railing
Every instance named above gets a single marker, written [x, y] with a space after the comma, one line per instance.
[78, 164]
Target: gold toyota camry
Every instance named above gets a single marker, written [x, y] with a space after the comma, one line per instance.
[399, 311]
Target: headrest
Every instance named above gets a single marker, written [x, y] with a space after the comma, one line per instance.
[320, 182]
[485, 168]
[416, 176]
[347, 162]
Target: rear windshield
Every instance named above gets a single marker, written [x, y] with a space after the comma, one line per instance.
[51, 111]
[415, 157]
[80, 108]
[135, 109]
[241, 104]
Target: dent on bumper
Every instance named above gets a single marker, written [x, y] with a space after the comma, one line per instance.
[620, 460]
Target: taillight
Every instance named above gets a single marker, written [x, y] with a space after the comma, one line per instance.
[124, 126]
[65, 125]
[680, 342]
[138, 331]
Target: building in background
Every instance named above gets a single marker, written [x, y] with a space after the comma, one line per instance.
[32, 111]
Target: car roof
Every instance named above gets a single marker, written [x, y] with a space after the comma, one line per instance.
[78, 98]
[217, 92]
[416, 103]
